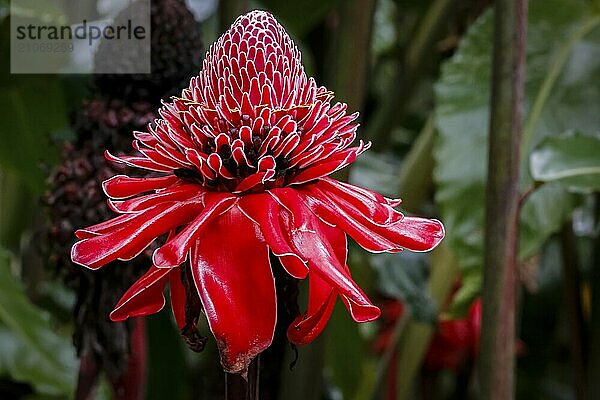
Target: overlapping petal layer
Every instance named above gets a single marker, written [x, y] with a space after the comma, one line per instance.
[239, 171]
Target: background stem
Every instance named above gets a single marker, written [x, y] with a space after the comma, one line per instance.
[502, 209]
[572, 281]
[409, 71]
[594, 332]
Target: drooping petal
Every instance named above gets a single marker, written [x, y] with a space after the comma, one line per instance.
[416, 234]
[144, 297]
[309, 236]
[412, 233]
[134, 235]
[321, 300]
[232, 273]
[265, 211]
[177, 294]
[373, 205]
[174, 251]
[182, 192]
[123, 186]
[321, 297]
[104, 227]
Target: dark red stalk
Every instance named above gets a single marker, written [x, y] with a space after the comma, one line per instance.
[87, 379]
[502, 202]
[132, 383]
[128, 386]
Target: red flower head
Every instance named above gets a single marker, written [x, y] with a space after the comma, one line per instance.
[242, 160]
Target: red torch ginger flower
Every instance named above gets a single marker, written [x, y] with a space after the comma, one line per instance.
[242, 160]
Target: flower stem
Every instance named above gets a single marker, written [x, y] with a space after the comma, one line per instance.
[131, 384]
[87, 378]
[502, 202]
[238, 387]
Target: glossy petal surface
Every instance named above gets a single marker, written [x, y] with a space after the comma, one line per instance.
[237, 289]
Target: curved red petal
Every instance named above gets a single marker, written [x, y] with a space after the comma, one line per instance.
[373, 205]
[175, 250]
[412, 233]
[104, 227]
[352, 222]
[177, 294]
[321, 297]
[182, 192]
[305, 328]
[231, 270]
[311, 238]
[265, 211]
[144, 297]
[415, 233]
[134, 235]
[137, 162]
[123, 186]
[332, 164]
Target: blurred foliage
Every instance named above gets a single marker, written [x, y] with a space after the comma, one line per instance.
[301, 16]
[32, 108]
[462, 95]
[404, 276]
[31, 349]
[571, 159]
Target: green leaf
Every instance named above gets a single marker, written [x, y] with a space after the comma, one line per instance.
[31, 351]
[571, 159]
[564, 92]
[543, 214]
[404, 276]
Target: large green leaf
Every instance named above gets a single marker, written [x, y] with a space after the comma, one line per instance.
[563, 68]
[31, 350]
[572, 159]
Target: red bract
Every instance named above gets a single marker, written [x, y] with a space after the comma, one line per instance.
[241, 162]
[456, 341]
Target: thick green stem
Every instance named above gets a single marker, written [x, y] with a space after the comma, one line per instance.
[502, 202]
